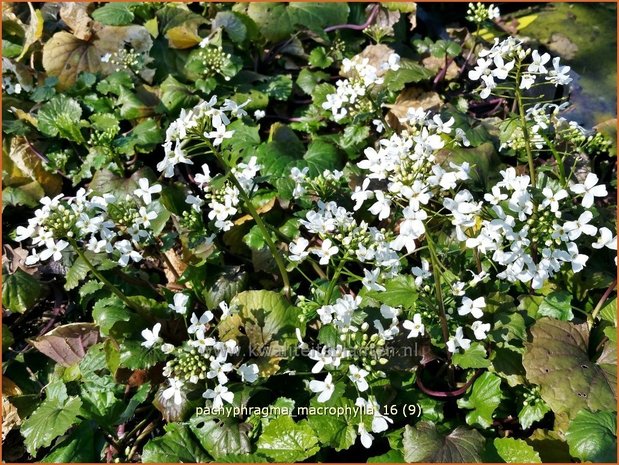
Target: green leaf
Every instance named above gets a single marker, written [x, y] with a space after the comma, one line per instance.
[339, 431]
[7, 338]
[592, 436]
[473, 357]
[109, 311]
[307, 80]
[278, 87]
[316, 16]
[400, 291]
[409, 72]
[318, 58]
[393, 456]
[76, 272]
[423, 443]
[61, 116]
[221, 437]
[267, 322]
[223, 286]
[84, 445]
[532, 412]
[322, 156]
[558, 305]
[176, 445]
[516, 451]
[232, 23]
[176, 95]
[283, 440]
[609, 312]
[136, 357]
[20, 291]
[483, 399]
[557, 359]
[51, 419]
[114, 14]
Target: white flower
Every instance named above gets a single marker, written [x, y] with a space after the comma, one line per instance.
[495, 197]
[259, 114]
[219, 134]
[382, 207]
[577, 259]
[480, 329]
[326, 251]
[321, 358]
[460, 136]
[559, 75]
[388, 312]
[297, 250]
[249, 373]
[457, 341]
[218, 370]
[421, 273]
[151, 337]
[219, 395]
[180, 303]
[145, 191]
[574, 229]
[126, 252]
[537, 66]
[202, 179]
[357, 375]
[369, 280]
[174, 391]
[457, 288]
[53, 249]
[302, 345]
[552, 198]
[590, 189]
[201, 323]
[325, 388]
[415, 327]
[606, 239]
[474, 307]
[366, 438]
[443, 127]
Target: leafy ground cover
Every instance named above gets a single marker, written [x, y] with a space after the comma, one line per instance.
[302, 232]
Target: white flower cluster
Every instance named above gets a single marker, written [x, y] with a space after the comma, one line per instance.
[207, 121]
[478, 13]
[203, 120]
[348, 97]
[223, 201]
[527, 234]
[506, 58]
[103, 224]
[202, 358]
[344, 238]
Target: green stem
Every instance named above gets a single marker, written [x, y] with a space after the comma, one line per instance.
[100, 277]
[525, 128]
[279, 260]
[439, 293]
[558, 158]
[333, 282]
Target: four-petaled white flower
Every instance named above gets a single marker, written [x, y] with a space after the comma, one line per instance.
[589, 189]
[145, 191]
[480, 329]
[457, 341]
[174, 391]
[180, 303]
[249, 373]
[151, 337]
[415, 327]
[219, 395]
[324, 388]
[474, 307]
[357, 375]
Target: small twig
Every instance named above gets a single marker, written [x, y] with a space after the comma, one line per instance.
[151, 426]
[602, 301]
[456, 393]
[357, 27]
